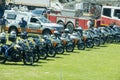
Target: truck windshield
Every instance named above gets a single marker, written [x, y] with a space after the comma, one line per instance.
[44, 20]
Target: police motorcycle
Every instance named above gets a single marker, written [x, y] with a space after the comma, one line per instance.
[3, 47]
[117, 34]
[40, 47]
[51, 51]
[100, 34]
[12, 52]
[28, 49]
[67, 41]
[57, 42]
[111, 34]
[94, 36]
[87, 39]
[107, 34]
[77, 37]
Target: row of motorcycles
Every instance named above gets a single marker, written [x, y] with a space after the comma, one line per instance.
[30, 49]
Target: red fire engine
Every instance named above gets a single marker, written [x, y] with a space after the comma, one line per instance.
[75, 18]
[109, 15]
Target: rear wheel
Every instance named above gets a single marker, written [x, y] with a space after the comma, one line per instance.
[70, 26]
[46, 32]
[61, 23]
[13, 29]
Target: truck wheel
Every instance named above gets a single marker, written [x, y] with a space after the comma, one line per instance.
[70, 26]
[46, 32]
[61, 23]
[13, 29]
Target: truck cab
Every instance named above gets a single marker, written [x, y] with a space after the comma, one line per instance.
[35, 24]
[110, 15]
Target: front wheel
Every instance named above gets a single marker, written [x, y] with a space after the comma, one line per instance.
[69, 48]
[36, 57]
[28, 59]
[51, 53]
[89, 44]
[102, 41]
[2, 59]
[96, 42]
[43, 54]
[60, 50]
[81, 46]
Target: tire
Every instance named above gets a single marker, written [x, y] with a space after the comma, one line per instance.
[61, 23]
[60, 50]
[89, 44]
[15, 55]
[36, 57]
[43, 54]
[2, 58]
[81, 46]
[51, 53]
[102, 41]
[96, 42]
[69, 48]
[70, 26]
[13, 29]
[46, 32]
[28, 59]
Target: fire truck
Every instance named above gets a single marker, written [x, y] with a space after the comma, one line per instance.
[71, 19]
[110, 15]
[78, 16]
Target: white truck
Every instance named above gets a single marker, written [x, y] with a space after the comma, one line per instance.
[35, 24]
[32, 4]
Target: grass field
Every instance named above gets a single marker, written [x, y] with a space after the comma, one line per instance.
[99, 63]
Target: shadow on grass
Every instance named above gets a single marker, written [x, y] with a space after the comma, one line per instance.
[118, 43]
[78, 51]
[42, 61]
[66, 54]
[16, 64]
[50, 59]
[87, 49]
[58, 57]
[97, 47]
[102, 46]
